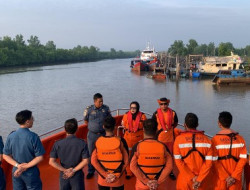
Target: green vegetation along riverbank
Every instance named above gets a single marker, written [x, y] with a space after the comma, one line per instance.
[16, 52]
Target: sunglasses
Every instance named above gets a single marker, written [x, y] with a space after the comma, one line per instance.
[163, 104]
[133, 108]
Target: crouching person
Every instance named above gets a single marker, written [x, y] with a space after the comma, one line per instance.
[73, 155]
[151, 163]
[110, 158]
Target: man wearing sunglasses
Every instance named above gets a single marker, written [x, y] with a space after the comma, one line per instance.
[167, 120]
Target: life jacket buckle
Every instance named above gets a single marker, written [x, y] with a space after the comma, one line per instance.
[165, 131]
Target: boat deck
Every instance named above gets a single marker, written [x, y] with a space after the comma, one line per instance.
[50, 176]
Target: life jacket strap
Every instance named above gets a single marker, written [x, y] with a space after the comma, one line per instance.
[229, 156]
[147, 166]
[193, 150]
[110, 160]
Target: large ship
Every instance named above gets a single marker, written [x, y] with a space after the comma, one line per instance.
[148, 54]
[50, 176]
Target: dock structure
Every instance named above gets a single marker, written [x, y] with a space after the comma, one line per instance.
[177, 66]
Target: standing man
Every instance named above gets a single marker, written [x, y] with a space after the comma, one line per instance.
[231, 150]
[150, 161]
[73, 154]
[110, 158]
[193, 155]
[167, 120]
[94, 116]
[24, 150]
[2, 178]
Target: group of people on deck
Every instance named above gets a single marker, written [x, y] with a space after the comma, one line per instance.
[149, 150]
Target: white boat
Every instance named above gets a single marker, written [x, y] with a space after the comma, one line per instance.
[212, 65]
[148, 54]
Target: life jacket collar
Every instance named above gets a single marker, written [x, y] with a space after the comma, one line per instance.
[192, 131]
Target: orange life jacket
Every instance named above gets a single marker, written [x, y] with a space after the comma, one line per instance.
[163, 123]
[193, 145]
[151, 158]
[109, 154]
[137, 121]
[229, 155]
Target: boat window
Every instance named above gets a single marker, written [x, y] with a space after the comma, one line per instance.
[218, 65]
[224, 65]
[147, 51]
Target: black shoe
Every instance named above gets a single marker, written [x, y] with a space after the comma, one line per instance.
[128, 176]
[172, 176]
[90, 175]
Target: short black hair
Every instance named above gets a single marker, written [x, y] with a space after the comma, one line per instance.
[225, 119]
[191, 120]
[164, 99]
[71, 126]
[23, 116]
[109, 123]
[97, 96]
[137, 105]
[150, 127]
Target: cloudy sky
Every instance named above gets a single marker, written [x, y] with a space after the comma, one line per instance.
[127, 24]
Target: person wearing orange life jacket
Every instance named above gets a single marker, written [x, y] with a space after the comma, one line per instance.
[110, 158]
[151, 163]
[167, 121]
[231, 150]
[193, 155]
[132, 122]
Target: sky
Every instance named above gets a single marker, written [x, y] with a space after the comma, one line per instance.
[127, 24]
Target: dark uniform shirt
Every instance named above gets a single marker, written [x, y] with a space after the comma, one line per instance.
[23, 145]
[95, 117]
[70, 151]
[2, 178]
[1, 147]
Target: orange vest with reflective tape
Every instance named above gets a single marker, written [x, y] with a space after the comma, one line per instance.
[151, 158]
[109, 154]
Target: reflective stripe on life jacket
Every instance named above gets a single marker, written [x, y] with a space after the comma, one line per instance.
[109, 154]
[169, 121]
[151, 158]
[194, 149]
[232, 137]
[137, 121]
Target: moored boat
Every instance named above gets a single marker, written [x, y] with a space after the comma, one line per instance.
[138, 65]
[231, 77]
[50, 176]
[160, 76]
[196, 74]
[148, 54]
[212, 65]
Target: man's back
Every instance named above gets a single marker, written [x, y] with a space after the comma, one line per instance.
[222, 144]
[193, 156]
[70, 150]
[23, 145]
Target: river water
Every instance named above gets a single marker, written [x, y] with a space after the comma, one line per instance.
[56, 93]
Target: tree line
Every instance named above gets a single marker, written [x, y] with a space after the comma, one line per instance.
[192, 47]
[16, 52]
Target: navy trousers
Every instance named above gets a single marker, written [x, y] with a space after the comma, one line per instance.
[91, 138]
